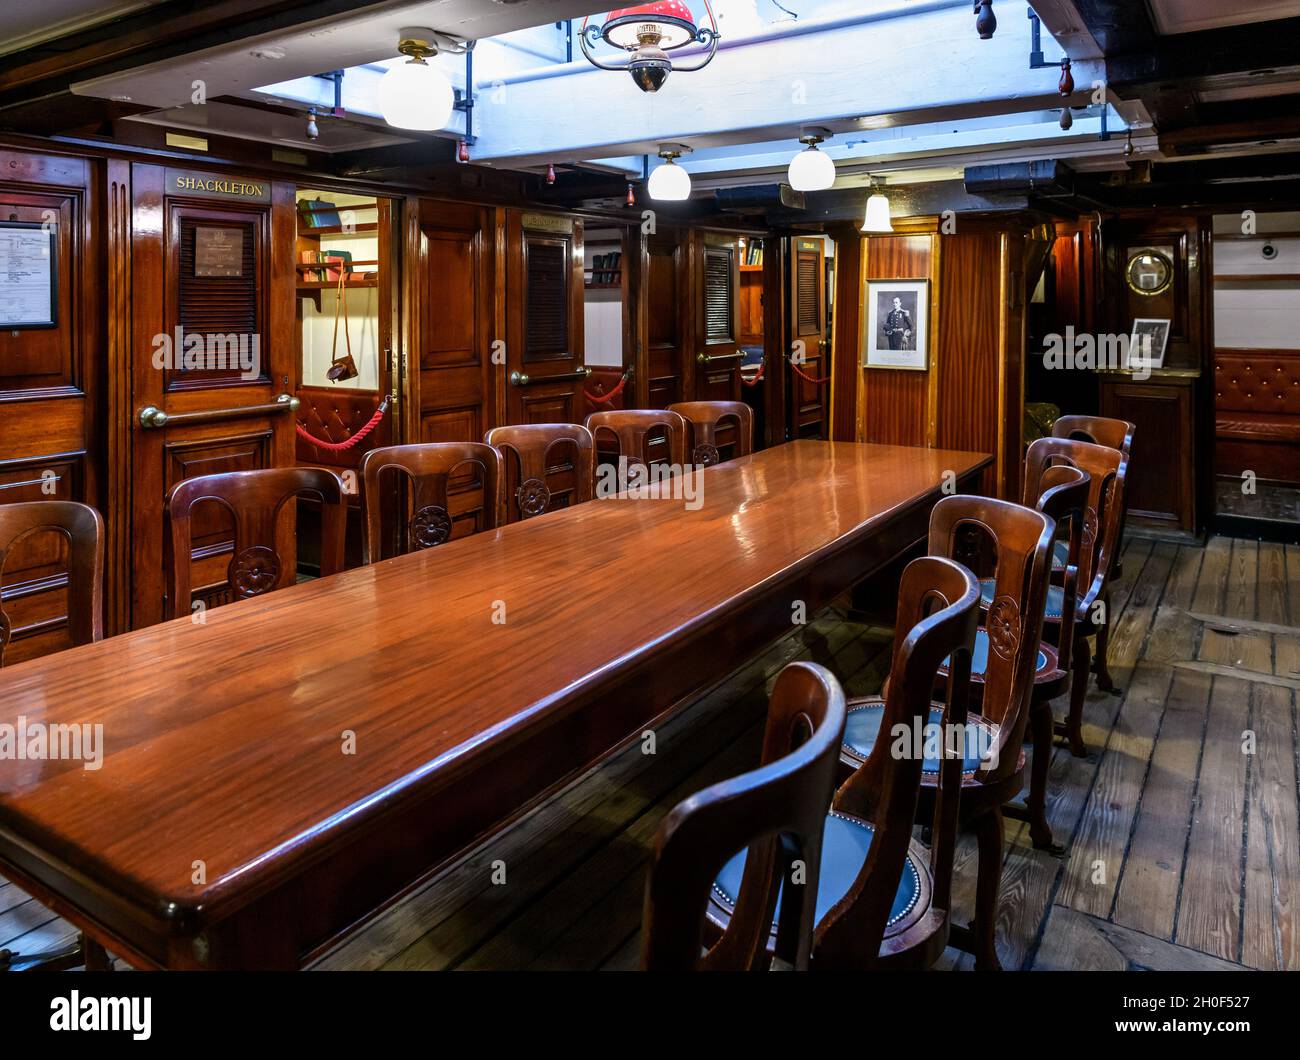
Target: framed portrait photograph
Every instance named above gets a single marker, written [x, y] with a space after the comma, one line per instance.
[897, 330]
[1146, 346]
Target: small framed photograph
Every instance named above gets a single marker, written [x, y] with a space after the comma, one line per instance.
[1146, 346]
[897, 332]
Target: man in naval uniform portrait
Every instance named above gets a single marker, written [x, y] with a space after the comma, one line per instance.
[898, 327]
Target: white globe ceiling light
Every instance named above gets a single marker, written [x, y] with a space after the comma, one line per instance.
[811, 169]
[413, 94]
[877, 217]
[669, 182]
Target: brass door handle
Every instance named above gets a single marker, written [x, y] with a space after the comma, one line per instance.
[707, 358]
[153, 418]
[520, 379]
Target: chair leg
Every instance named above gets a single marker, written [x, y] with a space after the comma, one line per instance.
[1104, 681]
[1078, 690]
[988, 834]
[1040, 832]
[97, 959]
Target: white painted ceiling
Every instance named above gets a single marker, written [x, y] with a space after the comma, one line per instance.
[331, 44]
[1188, 16]
[27, 23]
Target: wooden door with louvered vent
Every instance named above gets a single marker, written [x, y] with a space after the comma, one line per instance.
[212, 300]
[717, 326]
[544, 323]
[809, 362]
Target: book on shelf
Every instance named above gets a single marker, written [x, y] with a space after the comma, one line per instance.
[319, 213]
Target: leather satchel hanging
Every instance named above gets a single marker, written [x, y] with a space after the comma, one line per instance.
[341, 367]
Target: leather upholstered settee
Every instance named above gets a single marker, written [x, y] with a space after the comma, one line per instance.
[1257, 413]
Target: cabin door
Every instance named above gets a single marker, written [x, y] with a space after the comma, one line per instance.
[717, 327]
[213, 355]
[544, 326]
[666, 319]
[809, 355]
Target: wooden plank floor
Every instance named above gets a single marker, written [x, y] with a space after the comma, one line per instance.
[1182, 825]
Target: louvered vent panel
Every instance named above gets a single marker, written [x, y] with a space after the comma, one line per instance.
[218, 305]
[717, 296]
[806, 294]
[547, 320]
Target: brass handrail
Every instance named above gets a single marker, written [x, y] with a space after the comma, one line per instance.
[520, 379]
[152, 417]
[709, 358]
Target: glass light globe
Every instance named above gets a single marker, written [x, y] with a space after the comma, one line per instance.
[877, 219]
[670, 183]
[812, 170]
[415, 95]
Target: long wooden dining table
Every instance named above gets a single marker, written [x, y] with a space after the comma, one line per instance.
[276, 773]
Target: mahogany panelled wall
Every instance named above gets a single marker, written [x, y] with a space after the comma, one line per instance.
[972, 393]
[51, 386]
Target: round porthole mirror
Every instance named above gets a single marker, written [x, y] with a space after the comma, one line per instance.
[1149, 272]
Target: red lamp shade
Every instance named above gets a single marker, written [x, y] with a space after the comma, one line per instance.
[670, 20]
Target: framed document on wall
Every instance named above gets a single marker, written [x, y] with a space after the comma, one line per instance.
[897, 333]
[29, 294]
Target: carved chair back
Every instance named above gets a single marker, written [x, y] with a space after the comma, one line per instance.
[254, 500]
[530, 452]
[1016, 541]
[938, 612]
[83, 529]
[427, 469]
[705, 418]
[778, 811]
[633, 428]
[1061, 492]
[1104, 513]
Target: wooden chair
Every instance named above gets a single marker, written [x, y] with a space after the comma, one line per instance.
[778, 812]
[705, 417]
[428, 468]
[255, 500]
[1100, 430]
[532, 446]
[1060, 493]
[876, 897]
[83, 529]
[631, 429]
[1102, 518]
[1016, 541]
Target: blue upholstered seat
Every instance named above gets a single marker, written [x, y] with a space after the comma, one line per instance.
[862, 728]
[1055, 598]
[845, 842]
[1060, 554]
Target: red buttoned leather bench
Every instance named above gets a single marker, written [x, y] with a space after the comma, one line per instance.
[1257, 413]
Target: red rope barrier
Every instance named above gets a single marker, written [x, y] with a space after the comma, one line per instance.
[605, 399]
[805, 375]
[758, 376]
[339, 447]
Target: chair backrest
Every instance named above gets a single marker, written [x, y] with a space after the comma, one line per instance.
[83, 529]
[1017, 542]
[427, 468]
[705, 417]
[534, 448]
[1100, 430]
[778, 812]
[1061, 492]
[1103, 518]
[938, 612]
[254, 500]
[632, 428]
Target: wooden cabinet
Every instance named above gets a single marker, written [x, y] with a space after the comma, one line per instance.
[1161, 485]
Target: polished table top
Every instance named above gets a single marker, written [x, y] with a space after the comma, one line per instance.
[224, 741]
